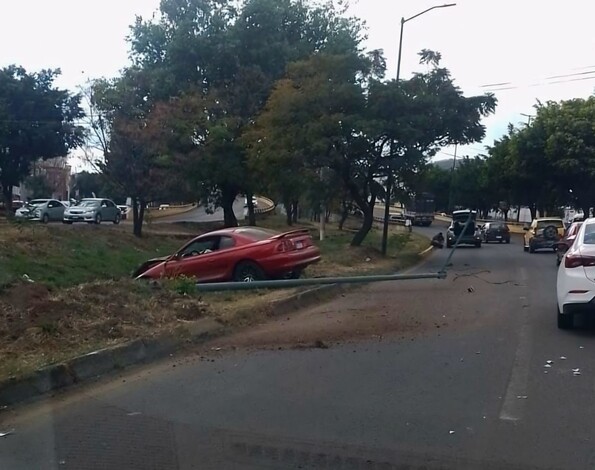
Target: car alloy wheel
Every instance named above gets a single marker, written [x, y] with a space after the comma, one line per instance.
[248, 271]
[117, 219]
[45, 219]
[98, 219]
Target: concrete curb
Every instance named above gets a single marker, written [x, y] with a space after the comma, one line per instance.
[103, 362]
[109, 360]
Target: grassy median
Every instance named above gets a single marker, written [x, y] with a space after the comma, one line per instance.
[66, 290]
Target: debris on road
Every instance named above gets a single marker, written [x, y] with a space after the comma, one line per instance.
[27, 278]
[522, 397]
[134, 413]
[549, 362]
[563, 358]
[581, 347]
[451, 432]
[320, 344]
[576, 372]
[6, 433]
[547, 365]
[470, 289]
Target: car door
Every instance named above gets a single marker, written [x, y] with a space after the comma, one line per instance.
[197, 259]
[56, 210]
[223, 264]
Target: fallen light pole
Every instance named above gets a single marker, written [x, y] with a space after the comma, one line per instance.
[319, 281]
[286, 283]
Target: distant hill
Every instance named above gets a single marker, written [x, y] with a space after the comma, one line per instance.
[444, 164]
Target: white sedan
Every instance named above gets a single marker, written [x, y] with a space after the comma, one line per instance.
[576, 276]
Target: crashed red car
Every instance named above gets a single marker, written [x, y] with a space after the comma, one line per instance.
[241, 254]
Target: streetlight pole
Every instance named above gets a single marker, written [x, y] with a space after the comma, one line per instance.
[390, 178]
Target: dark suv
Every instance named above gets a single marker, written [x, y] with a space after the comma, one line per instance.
[496, 232]
[471, 235]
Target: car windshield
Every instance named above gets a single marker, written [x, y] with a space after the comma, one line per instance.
[38, 202]
[88, 204]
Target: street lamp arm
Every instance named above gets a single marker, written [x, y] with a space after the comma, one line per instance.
[446, 5]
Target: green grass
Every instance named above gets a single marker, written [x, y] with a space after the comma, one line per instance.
[62, 256]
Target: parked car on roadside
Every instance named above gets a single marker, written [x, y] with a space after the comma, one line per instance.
[44, 210]
[241, 254]
[567, 240]
[472, 233]
[575, 286]
[496, 231]
[543, 233]
[93, 211]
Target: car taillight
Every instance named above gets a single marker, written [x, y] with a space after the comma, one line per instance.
[575, 261]
[285, 245]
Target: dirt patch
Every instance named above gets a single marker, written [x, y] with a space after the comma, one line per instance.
[39, 327]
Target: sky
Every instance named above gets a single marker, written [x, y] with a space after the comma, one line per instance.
[520, 43]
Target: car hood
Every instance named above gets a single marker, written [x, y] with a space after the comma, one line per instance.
[151, 265]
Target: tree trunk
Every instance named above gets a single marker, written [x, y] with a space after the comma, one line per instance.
[138, 215]
[344, 216]
[251, 214]
[227, 200]
[7, 196]
[533, 210]
[360, 236]
[295, 209]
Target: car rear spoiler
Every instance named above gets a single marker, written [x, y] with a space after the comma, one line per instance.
[303, 231]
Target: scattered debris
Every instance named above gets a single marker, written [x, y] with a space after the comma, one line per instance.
[451, 432]
[581, 347]
[576, 371]
[368, 259]
[134, 413]
[320, 344]
[470, 289]
[215, 349]
[548, 365]
[522, 397]
[477, 352]
[545, 371]
[549, 362]
[3, 407]
[563, 358]
[27, 278]
[6, 433]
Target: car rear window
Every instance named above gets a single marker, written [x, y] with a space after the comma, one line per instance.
[257, 234]
[498, 226]
[546, 223]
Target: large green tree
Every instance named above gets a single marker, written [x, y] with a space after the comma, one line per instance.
[336, 112]
[232, 56]
[37, 121]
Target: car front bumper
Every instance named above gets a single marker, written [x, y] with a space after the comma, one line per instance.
[79, 218]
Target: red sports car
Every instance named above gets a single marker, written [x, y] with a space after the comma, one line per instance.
[242, 254]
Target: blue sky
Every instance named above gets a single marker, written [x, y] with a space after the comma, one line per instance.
[518, 42]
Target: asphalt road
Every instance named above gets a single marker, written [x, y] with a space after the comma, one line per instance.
[455, 379]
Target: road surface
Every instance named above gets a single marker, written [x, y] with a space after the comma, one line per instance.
[439, 374]
[199, 214]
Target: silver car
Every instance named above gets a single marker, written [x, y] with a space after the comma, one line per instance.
[44, 210]
[93, 211]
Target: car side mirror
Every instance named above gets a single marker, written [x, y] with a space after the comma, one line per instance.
[562, 247]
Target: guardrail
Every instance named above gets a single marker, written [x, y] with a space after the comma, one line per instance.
[171, 210]
[264, 201]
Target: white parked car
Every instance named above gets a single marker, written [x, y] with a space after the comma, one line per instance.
[576, 275]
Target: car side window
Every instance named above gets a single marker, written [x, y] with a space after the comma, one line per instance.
[51, 204]
[200, 247]
[226, 243]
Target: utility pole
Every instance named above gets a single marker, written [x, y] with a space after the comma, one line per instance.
[390, 175]
[452, 176]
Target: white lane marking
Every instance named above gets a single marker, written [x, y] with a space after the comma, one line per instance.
[512, 407]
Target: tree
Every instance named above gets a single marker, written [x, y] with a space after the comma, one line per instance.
[38, 186]
[131, 160]
[336, 112]
[232, 57]
[37, 121]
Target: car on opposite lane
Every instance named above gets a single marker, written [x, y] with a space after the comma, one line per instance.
[93, 211]
[241, 254]
[575, 284]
